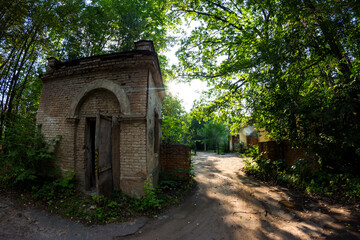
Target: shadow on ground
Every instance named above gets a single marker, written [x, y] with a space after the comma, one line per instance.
[227, 204]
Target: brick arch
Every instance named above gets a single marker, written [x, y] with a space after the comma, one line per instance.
[116, 89]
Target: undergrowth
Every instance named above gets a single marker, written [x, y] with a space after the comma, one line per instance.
[60, 196]
[28, 170]
[303, 176]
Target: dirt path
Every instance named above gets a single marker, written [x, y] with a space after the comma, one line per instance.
[17, 222]
[227, 204]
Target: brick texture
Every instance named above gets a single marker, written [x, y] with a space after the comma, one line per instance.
[173, 157]
[137, 75]
[273, 150]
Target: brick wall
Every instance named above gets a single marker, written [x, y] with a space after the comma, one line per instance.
[252, 140]
[153, 130]
[273, 150]
[64, 82]
[174, 157]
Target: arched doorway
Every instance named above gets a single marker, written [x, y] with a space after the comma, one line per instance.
[97, 135]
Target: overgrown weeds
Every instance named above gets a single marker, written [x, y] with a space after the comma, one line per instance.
[340, 187]
[60, 196]
[25, 156]
[28, 168]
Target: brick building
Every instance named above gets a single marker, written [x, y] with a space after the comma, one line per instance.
[107, 110]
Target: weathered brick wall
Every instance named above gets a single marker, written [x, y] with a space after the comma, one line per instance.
[174, 157]
[270, 150]
[56, 98]
[252, 140]
[61, 87]
[133, 154]
[292, 155]
[273, 150]
[153, 116]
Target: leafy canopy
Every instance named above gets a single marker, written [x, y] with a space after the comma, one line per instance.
[290, 66]
[173, 121]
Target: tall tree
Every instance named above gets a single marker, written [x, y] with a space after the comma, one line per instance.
[213, 134]
[24, 37]
[32, 30]
[173, 123]
[104, 26]
[292, 66]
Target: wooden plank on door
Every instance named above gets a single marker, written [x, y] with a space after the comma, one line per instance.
[104, 151]
[116, 153]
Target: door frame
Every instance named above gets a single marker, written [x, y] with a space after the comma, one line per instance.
[89, 156]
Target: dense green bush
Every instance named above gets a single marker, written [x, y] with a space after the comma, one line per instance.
[25, 156]
[55, 188]
[251, 150]
[302, 176]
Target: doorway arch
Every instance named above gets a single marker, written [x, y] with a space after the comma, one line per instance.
[116, 89]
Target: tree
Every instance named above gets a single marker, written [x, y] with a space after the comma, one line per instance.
[104, 26]
[32, 30]
[24, 37]
[291, 66]
[213, 134]
[172, 121]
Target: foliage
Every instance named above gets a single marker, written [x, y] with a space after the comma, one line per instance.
[24, 37]
[302, 176]
[55, 188]
[173, 121]
[149, 202]
[103, 26]
[59, 195]
[33, 30]
[25, 154]
[173, 185]
[213, 134]
[290, 66]
[251, 151]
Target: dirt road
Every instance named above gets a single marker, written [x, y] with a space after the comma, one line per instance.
[227, 204]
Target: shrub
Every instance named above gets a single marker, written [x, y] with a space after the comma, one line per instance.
[25, 154]
[341, 186]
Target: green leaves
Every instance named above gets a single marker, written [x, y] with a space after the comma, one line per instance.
[105, 26]
[25, 155]
[289, 66]
[173, 121]
[213, 133]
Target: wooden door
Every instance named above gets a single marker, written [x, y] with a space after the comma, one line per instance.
[103, 158]
[116, 153]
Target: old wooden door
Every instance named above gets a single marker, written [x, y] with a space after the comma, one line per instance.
[103, 158]
[116, 153]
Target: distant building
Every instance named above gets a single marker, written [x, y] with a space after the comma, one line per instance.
[248, 135]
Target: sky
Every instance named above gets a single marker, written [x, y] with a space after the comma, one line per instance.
[187, 92]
